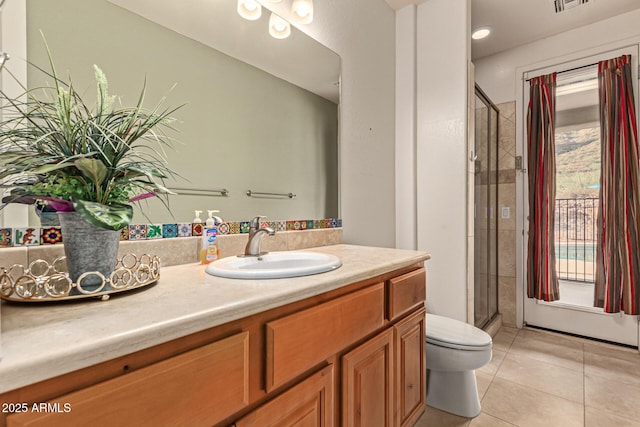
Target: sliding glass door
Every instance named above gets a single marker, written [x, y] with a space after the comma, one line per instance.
[486, 205]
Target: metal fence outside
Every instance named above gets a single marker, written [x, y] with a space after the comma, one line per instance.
[576, 223]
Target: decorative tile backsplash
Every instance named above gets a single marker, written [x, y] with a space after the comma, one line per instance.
[26, 236]
[34, 236]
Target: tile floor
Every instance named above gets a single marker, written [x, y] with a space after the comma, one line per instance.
[538, 378]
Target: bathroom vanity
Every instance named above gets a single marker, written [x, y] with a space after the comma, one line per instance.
[340, 348]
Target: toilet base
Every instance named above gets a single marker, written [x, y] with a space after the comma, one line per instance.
[454, 392]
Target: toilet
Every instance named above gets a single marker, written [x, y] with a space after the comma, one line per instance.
[454, 351]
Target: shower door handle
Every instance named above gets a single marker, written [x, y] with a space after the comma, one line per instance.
[473, 157]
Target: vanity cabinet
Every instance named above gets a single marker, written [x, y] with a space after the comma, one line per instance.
[353, 356]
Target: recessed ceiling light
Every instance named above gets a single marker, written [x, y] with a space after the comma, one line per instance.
[480, 33]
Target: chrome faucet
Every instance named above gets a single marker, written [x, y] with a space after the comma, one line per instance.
[255, 237]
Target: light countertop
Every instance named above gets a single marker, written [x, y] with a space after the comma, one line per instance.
[43, 341]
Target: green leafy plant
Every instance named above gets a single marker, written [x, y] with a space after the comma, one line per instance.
[96, 161]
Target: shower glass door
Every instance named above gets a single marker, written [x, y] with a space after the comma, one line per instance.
[486, 210]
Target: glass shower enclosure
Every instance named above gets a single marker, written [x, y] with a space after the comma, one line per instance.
[485, 209]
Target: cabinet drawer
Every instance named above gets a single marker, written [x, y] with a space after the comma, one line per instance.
[309, 403]
[199, 387]
[406, 292]
[297, 342]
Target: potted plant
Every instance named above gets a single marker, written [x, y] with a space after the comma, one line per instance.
[88, 163]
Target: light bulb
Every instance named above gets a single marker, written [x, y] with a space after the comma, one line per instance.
[278, 27]
[480, 33]
[302, 10]
[249, 9]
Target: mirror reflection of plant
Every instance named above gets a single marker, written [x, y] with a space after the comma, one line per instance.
[95, 161]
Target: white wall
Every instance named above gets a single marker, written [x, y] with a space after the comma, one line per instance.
[496, 74]
[362, 32]
[443, 54]
[406, 221]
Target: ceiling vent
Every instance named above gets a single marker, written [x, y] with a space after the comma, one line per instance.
[562, 5]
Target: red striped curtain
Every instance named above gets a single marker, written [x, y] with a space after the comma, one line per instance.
[618, 255]
[542, 281]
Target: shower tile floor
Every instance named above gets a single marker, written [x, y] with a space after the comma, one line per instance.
[539, 378]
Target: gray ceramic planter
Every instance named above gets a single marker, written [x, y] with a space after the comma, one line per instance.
[88, 248]
[49, 219]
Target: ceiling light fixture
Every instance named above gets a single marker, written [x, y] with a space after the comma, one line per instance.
[481, 33]
[249, 9]
[278, 27]
[302, 11]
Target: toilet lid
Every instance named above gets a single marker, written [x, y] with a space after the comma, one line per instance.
[447, 332]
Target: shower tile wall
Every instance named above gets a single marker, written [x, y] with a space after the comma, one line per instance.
[507, 227]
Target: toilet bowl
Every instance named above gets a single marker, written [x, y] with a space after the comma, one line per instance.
[454, 351]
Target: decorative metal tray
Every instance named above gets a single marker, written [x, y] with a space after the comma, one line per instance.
[42, 281]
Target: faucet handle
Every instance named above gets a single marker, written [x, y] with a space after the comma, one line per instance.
[255, 222]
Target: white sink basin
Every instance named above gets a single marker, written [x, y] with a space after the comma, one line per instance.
[274, 265]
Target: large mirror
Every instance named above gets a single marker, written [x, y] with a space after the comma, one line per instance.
[260, 114]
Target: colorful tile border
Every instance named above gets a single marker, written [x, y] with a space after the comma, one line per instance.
[185, 230]
[138, 232]
[50, 235]
[196, 229]
[154, 231]
[6, 237]
[27, 236]
[169, 231]
[33, 236]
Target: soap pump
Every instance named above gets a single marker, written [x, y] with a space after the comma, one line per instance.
[209, 251]
[196, 219]
[212, 220]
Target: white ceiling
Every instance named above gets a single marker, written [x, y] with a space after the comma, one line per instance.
[518, 22]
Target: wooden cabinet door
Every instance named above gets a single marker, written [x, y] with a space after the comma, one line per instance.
[410, 368]
[308, 404]
[367, 383]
